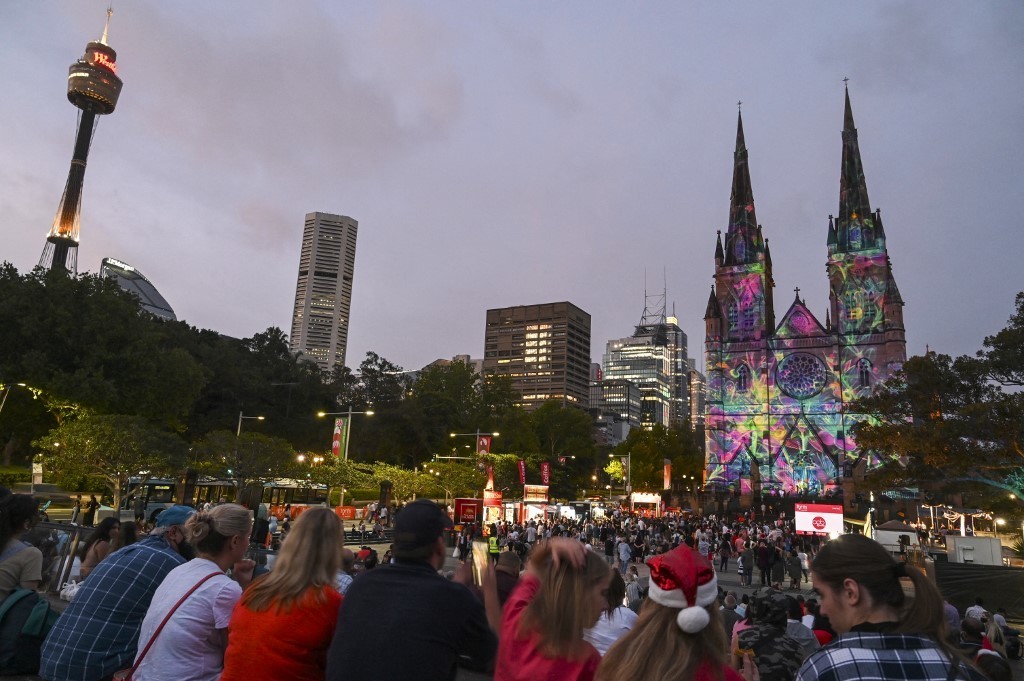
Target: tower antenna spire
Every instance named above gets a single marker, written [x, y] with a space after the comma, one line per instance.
[106, 26]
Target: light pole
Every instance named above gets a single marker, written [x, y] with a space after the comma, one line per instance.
[348, 434]
[476, 435]
[241, 416]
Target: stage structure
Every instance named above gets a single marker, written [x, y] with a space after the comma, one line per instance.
[93, 87]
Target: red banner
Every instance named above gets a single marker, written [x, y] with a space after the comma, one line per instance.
[490, 477]
[492, 498]
[522, 472]
[483, 444]
[336, 441]
[545, 473]
[468, 511]
[668, 474]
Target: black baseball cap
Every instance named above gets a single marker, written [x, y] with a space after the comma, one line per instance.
[418, 526]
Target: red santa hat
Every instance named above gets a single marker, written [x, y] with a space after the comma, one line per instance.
[683, 578]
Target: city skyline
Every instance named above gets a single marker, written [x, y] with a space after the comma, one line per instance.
[462, 139]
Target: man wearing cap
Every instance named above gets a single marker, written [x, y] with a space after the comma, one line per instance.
[777, 654]
[438, 623]
[99, 632]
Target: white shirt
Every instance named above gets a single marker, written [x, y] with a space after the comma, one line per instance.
[975, 611]
[531, 534]
[191, 646]
[608, 630]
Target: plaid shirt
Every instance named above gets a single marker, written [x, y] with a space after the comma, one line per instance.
[99, 632]
[872, 656]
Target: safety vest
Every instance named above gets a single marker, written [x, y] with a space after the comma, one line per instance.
[492, 544]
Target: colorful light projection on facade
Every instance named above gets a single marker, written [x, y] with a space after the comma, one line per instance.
[778, 412]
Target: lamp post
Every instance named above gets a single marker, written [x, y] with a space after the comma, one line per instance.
[241, 417]
[476, 435]
[348, 434]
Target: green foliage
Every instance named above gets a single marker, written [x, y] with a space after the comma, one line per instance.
[249, 458]
[109, 450]
[456, 479]
[404, 482]
[649, 449]
[562, 431]
[952, 422]
[331, 472]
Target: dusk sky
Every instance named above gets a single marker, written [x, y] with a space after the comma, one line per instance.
[506, 153]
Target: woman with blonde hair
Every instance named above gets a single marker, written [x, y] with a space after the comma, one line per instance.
[296, 606]
[185, 630]
[679, 634]
[562, 593]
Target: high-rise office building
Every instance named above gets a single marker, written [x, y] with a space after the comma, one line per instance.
[134, 281]
[544, 349]
[654, 360]
[323, 294]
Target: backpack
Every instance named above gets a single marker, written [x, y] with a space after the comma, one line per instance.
[25, 620]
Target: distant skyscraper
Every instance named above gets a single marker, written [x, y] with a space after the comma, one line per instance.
[93, 86]
[323, 294]
[544, 349]
[654, 360]
[134, 281]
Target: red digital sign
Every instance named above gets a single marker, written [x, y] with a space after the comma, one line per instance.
[100, 59]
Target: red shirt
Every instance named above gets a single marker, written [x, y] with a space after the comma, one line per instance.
[276, 645]
[520, 659]
[705, 672]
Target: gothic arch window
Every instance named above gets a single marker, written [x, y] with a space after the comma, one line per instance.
[864, 373]
[852, 305]
[743, 379]
[732, 314]
[855, 236]
[748, 317]
[740, 250]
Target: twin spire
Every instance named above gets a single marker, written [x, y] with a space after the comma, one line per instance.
[855, 228]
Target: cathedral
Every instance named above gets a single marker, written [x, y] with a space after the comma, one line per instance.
[778, 412]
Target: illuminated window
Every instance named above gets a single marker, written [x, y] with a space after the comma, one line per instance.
[732, 314]
[743, 379]
[748, 317]
[864, 373]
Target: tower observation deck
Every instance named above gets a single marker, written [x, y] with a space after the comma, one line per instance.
[93, 87]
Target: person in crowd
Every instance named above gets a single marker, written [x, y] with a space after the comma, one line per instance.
[634, 596]
[729, 614]
[344, 578]
[778, 567]
[89, 516]
[615, 620]
[795, 570]
[99, 544]
[295, 605]
[749, 558]
[805, 564]
[506, 572]
[776, 655]
[679, 635]
[994, 638]
[76, 510]
[764, 555]
[441, 623]
[977, 611]
[98, 633]
[823, 630]
[724, 553]
[21, 565]
[882, 633]
[994, 666]
[625, 554]
[190, 647]
[972, 634]
[562, 593]
[797, 630]
[128, 535]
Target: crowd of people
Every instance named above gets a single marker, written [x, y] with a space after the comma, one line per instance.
[561, 599]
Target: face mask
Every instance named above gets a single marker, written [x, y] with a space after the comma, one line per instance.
[186, 550]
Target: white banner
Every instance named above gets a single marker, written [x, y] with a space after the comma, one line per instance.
[819, 519]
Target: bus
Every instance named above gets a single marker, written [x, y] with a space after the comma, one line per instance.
[156, 494]
[284, 495]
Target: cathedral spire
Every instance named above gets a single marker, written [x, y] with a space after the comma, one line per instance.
[712, 311]
[743, 244]
[855, 226]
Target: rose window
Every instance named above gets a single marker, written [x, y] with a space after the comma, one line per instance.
[801, 376]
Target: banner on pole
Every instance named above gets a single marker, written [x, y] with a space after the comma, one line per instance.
[668, 475]
[545, 473]
[490, 477]
[340, 437]
[522, 472]
[483, 444]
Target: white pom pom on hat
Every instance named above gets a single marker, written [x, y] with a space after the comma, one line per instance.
[684, 579]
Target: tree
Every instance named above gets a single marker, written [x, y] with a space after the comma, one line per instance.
[384, 384]
[649, 449]
[333, 472]
[404, 483]
[111, 450]
[562, 430]
[245, 459]
[950, 422]
[454, 479]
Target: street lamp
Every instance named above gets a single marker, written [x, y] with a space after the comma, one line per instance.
[476, 435]
[241, 416]
[348, 433]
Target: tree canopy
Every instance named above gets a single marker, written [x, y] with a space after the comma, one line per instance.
[952, 423]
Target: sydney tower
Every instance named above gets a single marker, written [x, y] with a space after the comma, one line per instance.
[93, 86]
